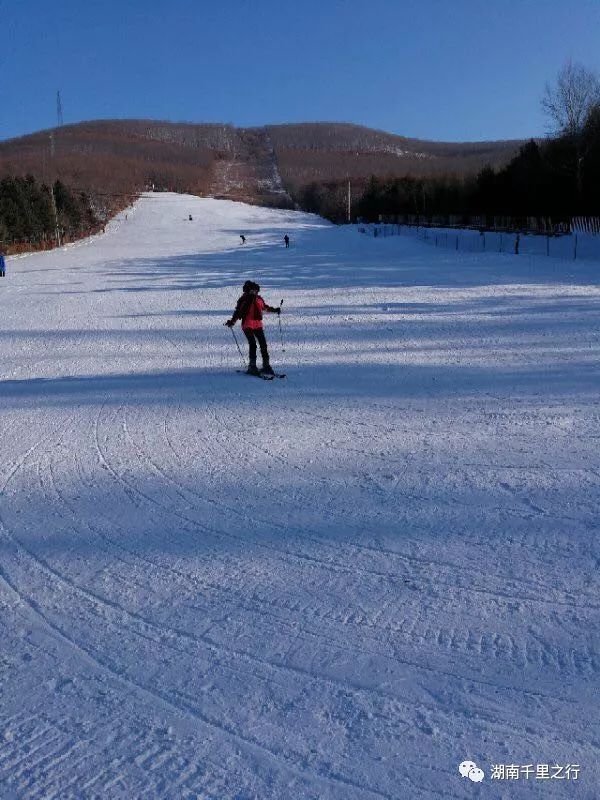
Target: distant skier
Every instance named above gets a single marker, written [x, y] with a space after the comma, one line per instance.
[190, 218]
[243, 238]
[286, 239]
[2, 266]
[249, 310]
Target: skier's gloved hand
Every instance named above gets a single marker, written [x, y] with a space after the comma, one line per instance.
[230, 323]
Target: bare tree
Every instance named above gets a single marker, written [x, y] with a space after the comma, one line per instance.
[569, 103]
[570, 106]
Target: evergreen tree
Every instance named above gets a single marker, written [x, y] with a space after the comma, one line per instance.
[27, 214]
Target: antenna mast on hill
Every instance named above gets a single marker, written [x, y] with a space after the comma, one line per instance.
[59, 112]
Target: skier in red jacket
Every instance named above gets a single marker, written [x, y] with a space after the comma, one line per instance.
[250, 309]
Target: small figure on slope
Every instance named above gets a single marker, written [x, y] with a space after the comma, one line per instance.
[2, 265]
[243, 238]
[249, 310]
[286, 239]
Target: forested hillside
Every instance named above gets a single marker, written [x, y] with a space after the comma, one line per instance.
[305, 165]
[325, 151]
[255, 164]
[40, 216]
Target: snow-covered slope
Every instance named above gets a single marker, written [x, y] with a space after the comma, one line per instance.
[340, 585]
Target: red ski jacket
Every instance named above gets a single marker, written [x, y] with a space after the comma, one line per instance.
[250, 309]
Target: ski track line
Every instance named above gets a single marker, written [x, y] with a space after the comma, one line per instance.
[22, 748]
[170, 512]
[378, 550]
[313, 676]
[106, 773]
[54, 745]
[154, 696]
[572, 657]
[16, 467]
[190, 523]
[99, 600]
[190, 491]
[213, 647]
[10, 768]
[246, 656]
[51, 762]
[339, 565]
[180, 489]
[131, 744]
[187, 709]
[110, 545]
[346, 545]
[445, 565]
[439, 636]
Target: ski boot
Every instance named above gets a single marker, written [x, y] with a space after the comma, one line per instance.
[267, 369]
[252, 368]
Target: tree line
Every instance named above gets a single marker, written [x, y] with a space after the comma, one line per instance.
[554, 179]
[34, 213]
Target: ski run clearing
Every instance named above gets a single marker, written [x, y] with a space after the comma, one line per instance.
[338, 585]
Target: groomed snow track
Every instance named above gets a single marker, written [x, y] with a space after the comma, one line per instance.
[337, 586]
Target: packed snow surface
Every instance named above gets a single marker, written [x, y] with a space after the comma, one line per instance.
[338, 585]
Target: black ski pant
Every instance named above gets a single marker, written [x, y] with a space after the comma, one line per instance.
[255, 335]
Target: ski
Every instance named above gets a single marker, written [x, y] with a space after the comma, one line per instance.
[259, 375]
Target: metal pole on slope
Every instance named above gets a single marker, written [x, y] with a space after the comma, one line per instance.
[280, 331]
[349, 204]
[56, 226]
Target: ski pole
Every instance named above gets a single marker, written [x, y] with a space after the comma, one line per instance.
[238, 347]
[280, 331]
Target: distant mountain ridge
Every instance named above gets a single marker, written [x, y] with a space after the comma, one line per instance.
[265, 165]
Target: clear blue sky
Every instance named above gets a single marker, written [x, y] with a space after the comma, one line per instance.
[460, 70]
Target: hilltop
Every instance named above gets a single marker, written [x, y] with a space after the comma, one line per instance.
[264, 165]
